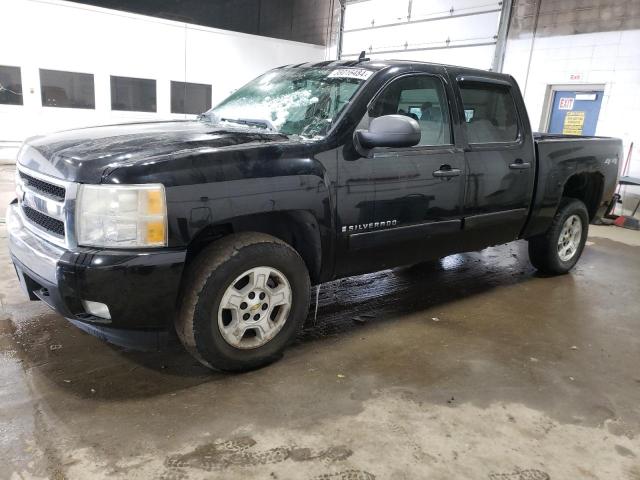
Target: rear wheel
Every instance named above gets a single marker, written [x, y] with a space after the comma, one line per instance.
[244, 299]
[559, 248]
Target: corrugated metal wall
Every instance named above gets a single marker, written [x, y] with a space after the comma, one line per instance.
[573, 17]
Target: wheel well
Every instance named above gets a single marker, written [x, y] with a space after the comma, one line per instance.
[297, 228]
[586, 187]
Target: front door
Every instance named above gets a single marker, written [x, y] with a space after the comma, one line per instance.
[415, 208]
[575, 113]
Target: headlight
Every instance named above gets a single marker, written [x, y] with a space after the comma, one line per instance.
[121, 216]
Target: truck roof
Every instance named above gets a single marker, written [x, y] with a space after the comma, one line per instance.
[379, 64]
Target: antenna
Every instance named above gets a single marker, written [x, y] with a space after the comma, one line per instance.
[362, 57]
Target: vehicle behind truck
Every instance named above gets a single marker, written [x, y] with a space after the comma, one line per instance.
[218, 227]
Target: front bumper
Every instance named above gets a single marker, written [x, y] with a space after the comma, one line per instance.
[139, 287]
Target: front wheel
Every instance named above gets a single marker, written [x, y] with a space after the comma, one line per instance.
[559, 248]
[244, 299]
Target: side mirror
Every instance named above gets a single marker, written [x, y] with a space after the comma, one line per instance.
[389, 131]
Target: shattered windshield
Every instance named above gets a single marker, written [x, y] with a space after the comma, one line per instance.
[294, 101]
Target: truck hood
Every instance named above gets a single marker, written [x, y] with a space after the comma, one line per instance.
[84, 155]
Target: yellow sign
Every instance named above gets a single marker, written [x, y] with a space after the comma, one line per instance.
[573, 123]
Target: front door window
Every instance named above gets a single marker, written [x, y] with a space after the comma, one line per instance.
[422, 98]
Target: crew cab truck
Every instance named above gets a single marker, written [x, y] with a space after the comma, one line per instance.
[219, 226]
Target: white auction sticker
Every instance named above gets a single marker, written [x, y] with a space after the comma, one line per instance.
[358, 73]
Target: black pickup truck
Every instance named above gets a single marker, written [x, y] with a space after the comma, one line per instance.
[219, 226]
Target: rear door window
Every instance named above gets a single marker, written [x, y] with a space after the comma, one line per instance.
[490, 113]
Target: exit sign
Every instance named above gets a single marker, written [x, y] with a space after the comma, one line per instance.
[575, 77]
[565, 103]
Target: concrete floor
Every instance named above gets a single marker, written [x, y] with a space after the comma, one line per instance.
[476, 369]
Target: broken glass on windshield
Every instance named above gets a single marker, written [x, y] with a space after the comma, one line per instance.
[292, 101]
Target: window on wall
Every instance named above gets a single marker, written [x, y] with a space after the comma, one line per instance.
[67, 89]
[490, 114]
[422, 98]
[190, 98]
[133, 94]
[10, 85]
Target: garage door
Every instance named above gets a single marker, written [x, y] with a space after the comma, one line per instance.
[455, 32]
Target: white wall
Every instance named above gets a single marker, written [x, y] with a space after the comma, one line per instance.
[60, 35]
[611, 59]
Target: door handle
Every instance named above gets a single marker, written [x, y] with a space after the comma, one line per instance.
[445, 171]
[519, 165]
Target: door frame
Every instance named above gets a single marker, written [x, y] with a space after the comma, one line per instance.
[545, 118]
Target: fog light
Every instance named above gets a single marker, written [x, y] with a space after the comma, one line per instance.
[96, 308]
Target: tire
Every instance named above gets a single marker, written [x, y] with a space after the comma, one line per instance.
[545, 251]
[223, 338]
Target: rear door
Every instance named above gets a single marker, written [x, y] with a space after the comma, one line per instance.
[500, 160]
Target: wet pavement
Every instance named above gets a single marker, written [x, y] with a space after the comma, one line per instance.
[473, 368]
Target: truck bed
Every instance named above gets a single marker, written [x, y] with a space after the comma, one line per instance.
[563, 156]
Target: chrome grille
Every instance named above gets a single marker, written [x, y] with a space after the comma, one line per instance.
[50, 190]
[45, 222]
[45, 204]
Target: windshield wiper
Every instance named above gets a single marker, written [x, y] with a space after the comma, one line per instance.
[251, 122]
